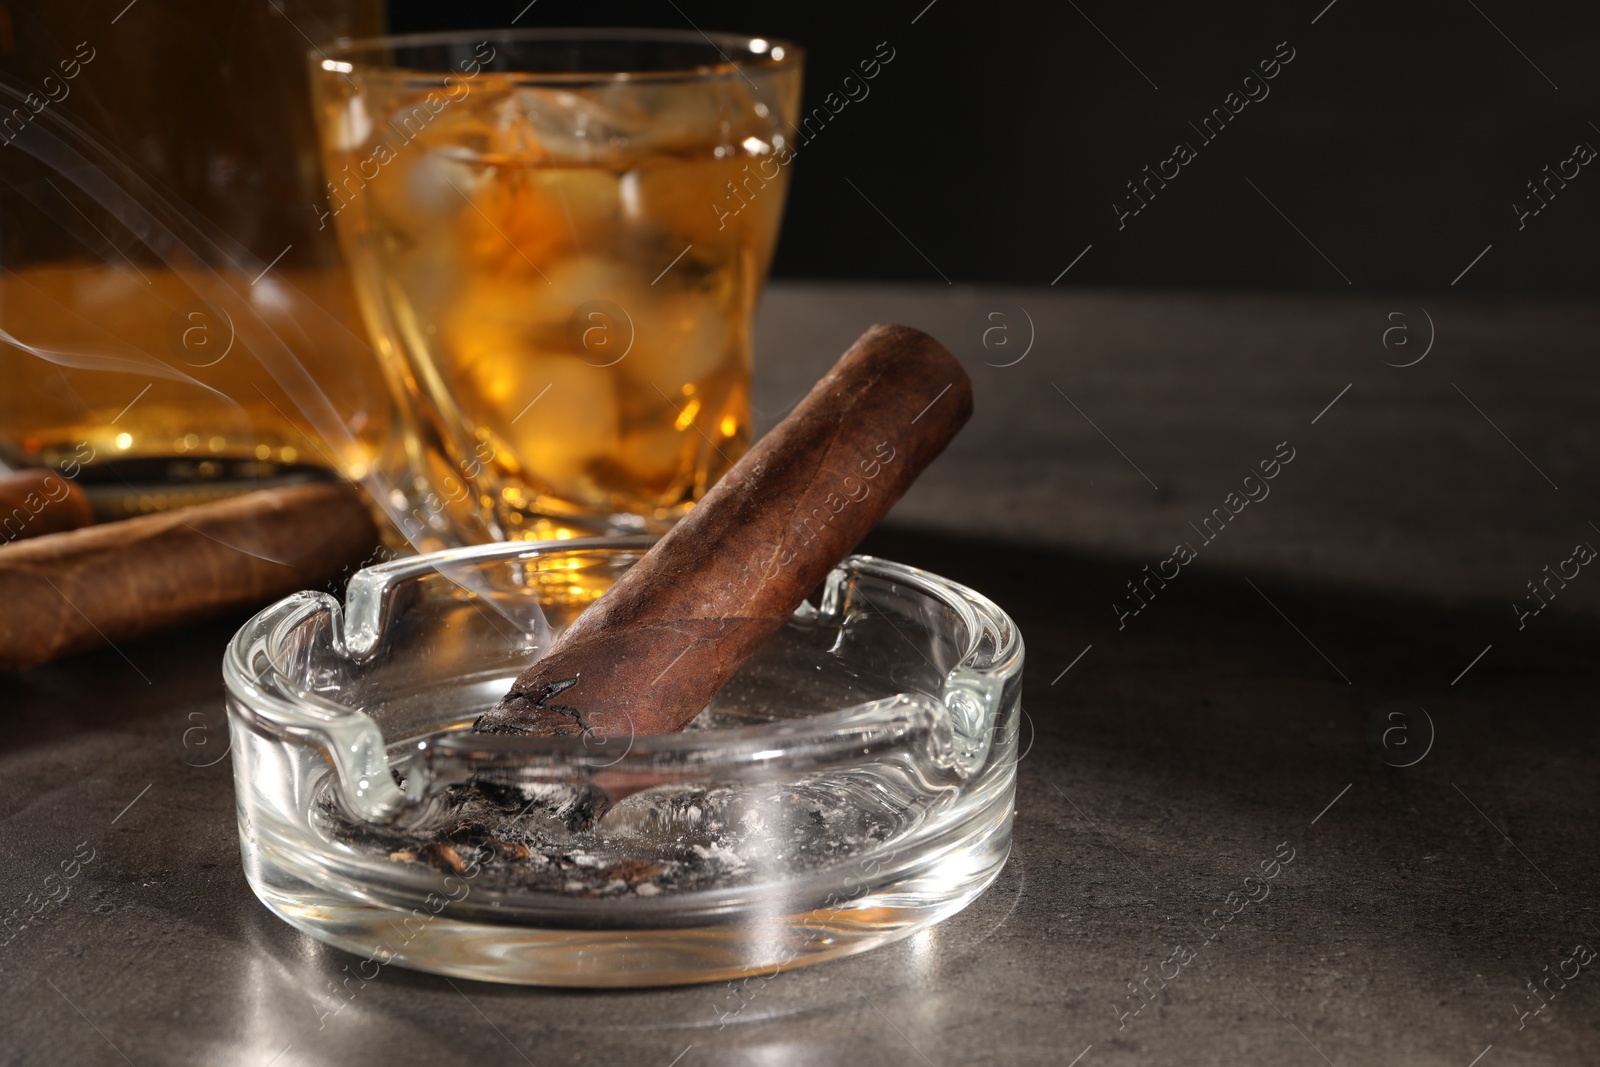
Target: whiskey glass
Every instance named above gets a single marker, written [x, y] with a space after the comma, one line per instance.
[558, 239]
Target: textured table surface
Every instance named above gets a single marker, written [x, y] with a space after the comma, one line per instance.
[1238, 715]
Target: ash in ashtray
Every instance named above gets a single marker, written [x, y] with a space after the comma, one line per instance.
[564, 840]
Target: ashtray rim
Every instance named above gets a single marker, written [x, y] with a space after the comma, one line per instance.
[358, 623]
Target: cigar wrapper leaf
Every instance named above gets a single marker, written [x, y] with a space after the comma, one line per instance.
[71, 592]
[34, 503]
[651, 653]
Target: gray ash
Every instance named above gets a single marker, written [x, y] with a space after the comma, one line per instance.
[572, 841]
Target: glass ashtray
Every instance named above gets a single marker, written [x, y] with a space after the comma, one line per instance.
[850, 785]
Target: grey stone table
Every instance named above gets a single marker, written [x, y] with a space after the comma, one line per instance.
[1337, 676]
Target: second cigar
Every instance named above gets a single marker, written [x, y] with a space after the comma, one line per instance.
[71, 592]
[650, 654]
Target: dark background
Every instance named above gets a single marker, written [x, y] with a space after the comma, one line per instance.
[1397, 140]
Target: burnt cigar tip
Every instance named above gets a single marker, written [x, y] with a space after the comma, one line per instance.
[526, 710]
[491, 722]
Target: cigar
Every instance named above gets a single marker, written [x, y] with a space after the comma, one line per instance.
[70, 592]
[38, 502]
[650, 654]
